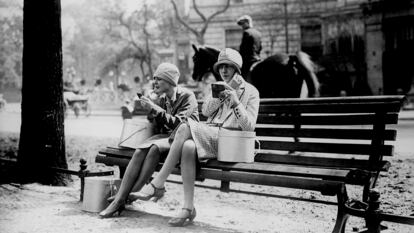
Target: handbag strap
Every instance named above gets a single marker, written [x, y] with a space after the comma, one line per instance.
[229, 114]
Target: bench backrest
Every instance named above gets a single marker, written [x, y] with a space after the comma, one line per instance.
[343, 132]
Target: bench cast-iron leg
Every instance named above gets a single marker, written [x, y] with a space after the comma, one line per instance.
[342, 216]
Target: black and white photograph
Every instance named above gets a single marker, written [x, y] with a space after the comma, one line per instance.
[247, 116]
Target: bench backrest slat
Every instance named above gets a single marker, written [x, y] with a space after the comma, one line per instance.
[338, 119]
[322, 161]
[354, 134]
[329, 107]
[348, 99]
[335, 148]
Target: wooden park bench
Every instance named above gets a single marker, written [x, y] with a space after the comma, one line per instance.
[320, 144]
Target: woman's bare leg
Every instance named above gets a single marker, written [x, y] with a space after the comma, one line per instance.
[183, 133]
[188, 172]
[131, 174]
[148, 167]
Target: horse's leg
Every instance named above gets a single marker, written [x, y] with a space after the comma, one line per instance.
[304, 92]
[305, 72]
[312, 83]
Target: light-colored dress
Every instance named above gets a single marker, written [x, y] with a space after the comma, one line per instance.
[242, 117]
[174, 111]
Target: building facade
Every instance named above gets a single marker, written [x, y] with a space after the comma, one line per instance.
[390, 44]
[351, 40]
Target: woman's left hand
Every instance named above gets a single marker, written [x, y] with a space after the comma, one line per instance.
[230, 96]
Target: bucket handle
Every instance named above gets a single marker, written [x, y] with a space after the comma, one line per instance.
[257, 151]
[112, 187]
[135, 132]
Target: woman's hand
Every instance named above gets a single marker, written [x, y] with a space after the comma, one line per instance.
[147, 104]
[230, 96]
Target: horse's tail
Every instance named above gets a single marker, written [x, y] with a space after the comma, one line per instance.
[305, 61]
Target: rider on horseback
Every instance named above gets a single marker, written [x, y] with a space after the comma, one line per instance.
[251, 44]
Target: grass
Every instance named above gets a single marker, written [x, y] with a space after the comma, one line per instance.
[76, 149]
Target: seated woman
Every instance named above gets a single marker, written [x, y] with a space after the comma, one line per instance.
[175, 106]
[236, 107]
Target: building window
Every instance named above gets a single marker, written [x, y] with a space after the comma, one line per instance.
[311, 40]
[233, 38]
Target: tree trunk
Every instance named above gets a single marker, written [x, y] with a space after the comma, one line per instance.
[42, 137]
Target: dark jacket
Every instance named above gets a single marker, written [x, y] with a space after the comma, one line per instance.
[251, 45]
[185, 106]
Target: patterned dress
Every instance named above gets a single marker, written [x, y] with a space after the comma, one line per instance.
[242, 117]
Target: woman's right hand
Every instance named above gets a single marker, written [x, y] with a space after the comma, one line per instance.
[148, 104]
[230, 96]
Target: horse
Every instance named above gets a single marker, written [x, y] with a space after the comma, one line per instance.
[278, 76]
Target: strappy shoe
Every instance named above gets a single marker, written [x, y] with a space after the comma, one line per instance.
[127, 202]
[157, 194]
[110, 199]
[190, 214]
[114, 209]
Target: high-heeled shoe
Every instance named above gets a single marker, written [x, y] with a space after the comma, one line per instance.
[157, 194]
[111, 199]
[127, 202]
[113, 209]
[179, 221]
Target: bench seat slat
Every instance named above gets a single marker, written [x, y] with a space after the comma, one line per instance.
[112, 160]
[322, 161]
[343, 119]
[337, 148]
[356, 134]
[281, 169]
[327, 187]
[117, 152]
[253, 168]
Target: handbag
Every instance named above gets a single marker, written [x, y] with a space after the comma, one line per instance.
[135, 131]
[236, 145]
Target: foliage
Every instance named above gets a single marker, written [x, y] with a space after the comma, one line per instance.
[102, 39]
[11, 37]
[140, 34]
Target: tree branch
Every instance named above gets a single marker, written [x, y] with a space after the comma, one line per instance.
[180, 19]
[129, 30]
[198, 11]
[219, 12]
[206, 22]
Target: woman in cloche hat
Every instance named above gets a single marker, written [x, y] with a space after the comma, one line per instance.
[236, 106]
[175, 105]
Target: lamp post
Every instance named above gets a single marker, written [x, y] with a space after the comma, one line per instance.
[286, 26]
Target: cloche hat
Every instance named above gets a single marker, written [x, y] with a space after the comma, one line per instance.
[168, 72]
[230, 57]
